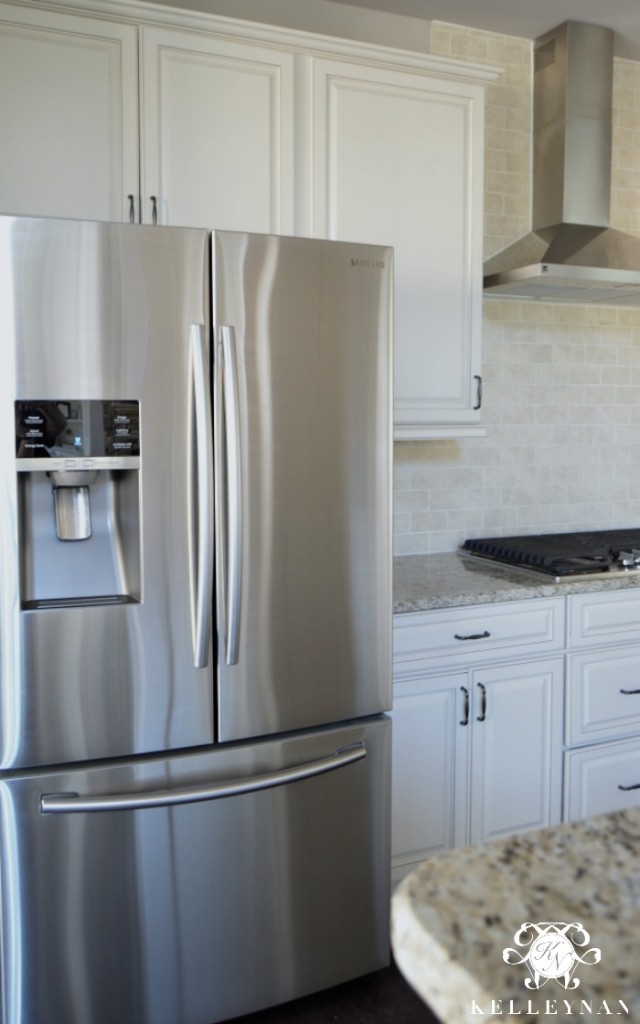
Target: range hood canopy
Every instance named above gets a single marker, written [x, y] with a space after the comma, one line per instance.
[571, 254]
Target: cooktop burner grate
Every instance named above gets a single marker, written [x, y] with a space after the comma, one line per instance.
[563, 554]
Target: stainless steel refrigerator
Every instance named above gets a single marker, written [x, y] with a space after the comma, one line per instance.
[195, 620]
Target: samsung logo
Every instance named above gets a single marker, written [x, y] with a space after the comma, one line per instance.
[370, 264]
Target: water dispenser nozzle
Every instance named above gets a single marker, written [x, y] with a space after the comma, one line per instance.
[71, 502]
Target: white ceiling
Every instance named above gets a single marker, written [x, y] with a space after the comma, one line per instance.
[524, 17]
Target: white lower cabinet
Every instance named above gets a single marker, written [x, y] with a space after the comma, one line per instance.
[477, 751]
[602, 732]
[602, 779]
[429, 805]
[502, 724]
[516, 746]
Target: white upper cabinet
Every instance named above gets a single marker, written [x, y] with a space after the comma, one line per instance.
[217, 132]
[397, 160]
[194, 120]
[68, 114]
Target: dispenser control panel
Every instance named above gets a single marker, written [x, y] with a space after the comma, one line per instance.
[77, 434]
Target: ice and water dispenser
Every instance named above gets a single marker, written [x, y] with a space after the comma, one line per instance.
[78, 464]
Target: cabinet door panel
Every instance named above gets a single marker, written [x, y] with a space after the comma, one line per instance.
[516, 755]
[217, 127]
[393, 164]
[603, 691]
[594, 775]
[68, 115]
[604, 618]
[429, 806]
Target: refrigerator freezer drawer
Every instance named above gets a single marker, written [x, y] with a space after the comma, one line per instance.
[197, 888]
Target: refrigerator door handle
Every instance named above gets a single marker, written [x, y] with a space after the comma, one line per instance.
[70, 803]
[203, 582]
[228, 468]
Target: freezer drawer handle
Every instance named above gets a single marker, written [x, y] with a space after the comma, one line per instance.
[70, 803]
[202, 585]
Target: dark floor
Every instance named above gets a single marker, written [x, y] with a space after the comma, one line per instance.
[383, 997]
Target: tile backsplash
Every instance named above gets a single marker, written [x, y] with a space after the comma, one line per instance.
[561, 403]
[561, 408]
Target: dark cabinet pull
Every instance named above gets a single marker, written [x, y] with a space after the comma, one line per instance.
[478, 405]
[132, 209]
[636, 785]
[629, 691]
[465, 720]
[483, 702]
[473, 636]
[154, 210]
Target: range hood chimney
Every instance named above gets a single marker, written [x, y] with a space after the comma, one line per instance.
[571, 255]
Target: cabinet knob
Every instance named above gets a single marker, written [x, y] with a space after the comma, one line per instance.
[154, 209]
[132, 208]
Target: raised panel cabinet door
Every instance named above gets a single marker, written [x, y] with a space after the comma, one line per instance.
[217, 132]
[68, 115]
[429, 784]
[516, 757]
[603, 695]
[602, 779]
[397, 161]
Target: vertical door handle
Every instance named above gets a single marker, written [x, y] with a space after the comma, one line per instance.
[132, 208]
[483, 702]
[228, 491]
[478, 380]
[154, 209]
[465, 719]
[202, 556]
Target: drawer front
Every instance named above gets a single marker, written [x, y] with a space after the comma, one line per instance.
[603, 695]
[604, 618]
[467, 634]
[594, 777]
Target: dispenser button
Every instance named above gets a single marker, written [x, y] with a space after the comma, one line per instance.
[69, 463]
[87, 463]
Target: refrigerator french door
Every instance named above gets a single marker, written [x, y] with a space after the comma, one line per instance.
[195, 620]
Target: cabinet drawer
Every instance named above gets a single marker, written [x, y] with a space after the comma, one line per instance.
[467, 634]
[593, 779]
[602, 618]
[603, 695]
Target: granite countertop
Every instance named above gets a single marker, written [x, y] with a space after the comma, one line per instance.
[454, 917]
[451, 580]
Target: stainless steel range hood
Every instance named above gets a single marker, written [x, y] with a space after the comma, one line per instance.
[572, 254]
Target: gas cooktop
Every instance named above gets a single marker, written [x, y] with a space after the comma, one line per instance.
[564, 556]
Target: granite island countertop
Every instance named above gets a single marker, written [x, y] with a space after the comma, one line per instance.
[451, 580]
[454, 917]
